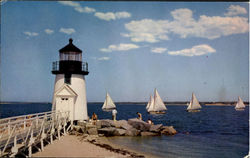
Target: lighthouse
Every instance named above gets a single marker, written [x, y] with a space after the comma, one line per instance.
[70, 86]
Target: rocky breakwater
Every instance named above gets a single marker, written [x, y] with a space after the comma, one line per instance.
[132, 127]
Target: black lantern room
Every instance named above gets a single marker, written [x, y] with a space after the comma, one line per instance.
[70, 61]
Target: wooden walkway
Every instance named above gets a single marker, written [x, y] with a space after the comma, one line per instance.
[21, 133]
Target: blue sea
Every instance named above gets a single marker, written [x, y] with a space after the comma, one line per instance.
[215, 132]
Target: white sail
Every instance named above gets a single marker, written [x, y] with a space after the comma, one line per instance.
[108, 103]
[240, 104]
[149, 102]
[194, 103]
[151, 105]
[157, 103]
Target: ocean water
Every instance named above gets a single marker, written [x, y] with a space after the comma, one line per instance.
[215, 132]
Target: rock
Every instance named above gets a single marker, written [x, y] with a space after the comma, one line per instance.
[139, 124]
[107, 131]
[90, 125]
[81, 123]
[105, 123]
[168, 130]
[79, 129]
[119, 132]
[132, 132]
[123, 124]
[149, 134]
[155, 128]
[92, 131]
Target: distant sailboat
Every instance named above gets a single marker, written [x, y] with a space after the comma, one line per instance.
[108, 103]
[156, 105]
[194, 104]
[240, 105]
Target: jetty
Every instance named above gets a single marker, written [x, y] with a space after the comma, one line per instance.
[21, 133]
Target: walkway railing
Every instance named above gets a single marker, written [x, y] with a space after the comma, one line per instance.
[27, 131]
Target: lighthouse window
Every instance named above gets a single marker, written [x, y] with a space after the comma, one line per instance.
[67, 78]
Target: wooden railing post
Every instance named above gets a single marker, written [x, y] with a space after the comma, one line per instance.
[31, 142]
[36, 120]
[14, 149]
[52, 133]
[9, 127]
[24, 123]
[59, 127]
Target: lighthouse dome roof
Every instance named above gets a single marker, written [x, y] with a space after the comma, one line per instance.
[70, 47]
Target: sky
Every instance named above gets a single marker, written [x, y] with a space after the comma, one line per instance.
[131, 48]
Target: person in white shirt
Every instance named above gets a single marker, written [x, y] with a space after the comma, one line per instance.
[114, 112]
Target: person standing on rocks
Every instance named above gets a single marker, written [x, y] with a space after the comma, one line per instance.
[114, 112]
[139, 115]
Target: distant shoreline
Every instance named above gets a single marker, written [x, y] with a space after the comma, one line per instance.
[143, 103]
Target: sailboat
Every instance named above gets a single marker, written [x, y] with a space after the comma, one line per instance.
[240, 105]
[156, 105]
[108, 103]
[194, 105]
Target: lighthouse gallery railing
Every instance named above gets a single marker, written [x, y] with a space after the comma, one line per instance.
[56, 66]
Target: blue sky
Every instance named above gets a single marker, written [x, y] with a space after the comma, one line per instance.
[131, 48]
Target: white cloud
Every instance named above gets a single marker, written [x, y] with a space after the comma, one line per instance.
[198, 50]
[77, 6]
[235, 10]
[105, 16]
[158, 50]
[48, 31]
[30, 34]
[147, 30]
[85, 9]
[184, 25]
[120, 15]
[67, 30]
[112, 16]
[103, 58]
[120, 47]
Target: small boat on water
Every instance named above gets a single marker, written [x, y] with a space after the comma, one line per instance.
[240, 106]
[108, 104]
[194, 105]
[156, 105]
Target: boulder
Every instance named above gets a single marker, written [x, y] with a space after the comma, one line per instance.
[139, 124]
[149, 134]
[105, 123]
[107, 131]
[92, 131]
[156, 128]
[81, 123]
[123, 124]
[168, 130]
[132, 132]
[119, 132]
[79, 129]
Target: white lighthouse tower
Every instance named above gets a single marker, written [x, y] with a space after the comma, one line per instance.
[70, 87]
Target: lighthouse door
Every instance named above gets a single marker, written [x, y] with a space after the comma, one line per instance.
[65, 101]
